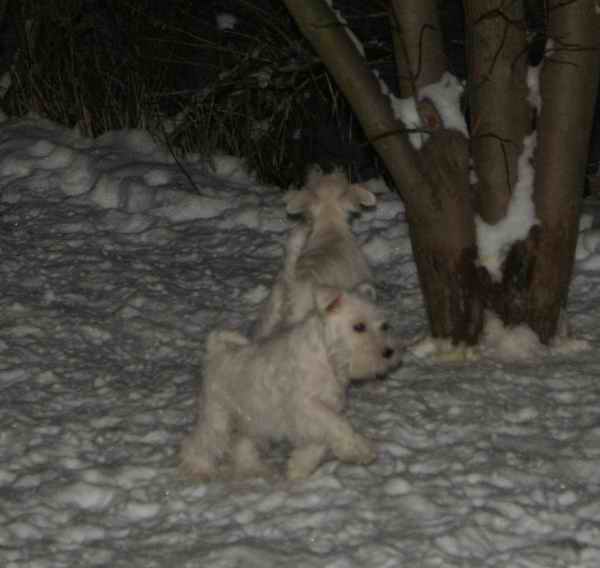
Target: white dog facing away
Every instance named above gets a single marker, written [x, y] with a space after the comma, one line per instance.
[290, 386]
[331, 256]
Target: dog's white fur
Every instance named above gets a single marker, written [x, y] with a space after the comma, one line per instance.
[290, 386]
[331, 256]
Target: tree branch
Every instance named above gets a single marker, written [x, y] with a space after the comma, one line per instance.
[360, 87]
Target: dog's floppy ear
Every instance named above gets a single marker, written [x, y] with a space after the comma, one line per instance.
[360, 195]
[328, 298]
[366, 290]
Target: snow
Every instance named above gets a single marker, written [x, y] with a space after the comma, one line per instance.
[494, 241]
[445, 95]
[406, 111]
[534, 95]
[114, 269]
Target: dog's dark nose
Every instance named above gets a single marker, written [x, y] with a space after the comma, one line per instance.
[387, 352]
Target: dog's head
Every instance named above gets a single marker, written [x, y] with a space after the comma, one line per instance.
[357, 333]
[329, 198]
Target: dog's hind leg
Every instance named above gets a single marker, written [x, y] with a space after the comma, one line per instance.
[202, 450]
[247, 462]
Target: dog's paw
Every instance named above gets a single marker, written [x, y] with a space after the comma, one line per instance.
[256, 471]
[196, 471]
[356, 450]
[193, 466]
[365, 452]
[304, 461]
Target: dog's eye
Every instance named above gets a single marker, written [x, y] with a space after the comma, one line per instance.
[359, 327]
[385, 326]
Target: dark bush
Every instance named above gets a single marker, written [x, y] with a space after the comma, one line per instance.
[256, 90]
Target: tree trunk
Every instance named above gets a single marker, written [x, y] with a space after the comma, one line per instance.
[500, 113]
[500, 119]
[569, 89]
[433, 183]
[446, 253]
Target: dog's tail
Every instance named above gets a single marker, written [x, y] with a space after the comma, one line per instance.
[273, 312]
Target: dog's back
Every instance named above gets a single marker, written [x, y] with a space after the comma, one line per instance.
[333, 261]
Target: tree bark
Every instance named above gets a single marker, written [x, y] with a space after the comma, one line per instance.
[418, 44]
[500, 114]
[569, 88]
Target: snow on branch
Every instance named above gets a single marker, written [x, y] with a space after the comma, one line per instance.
[444, 95]
[534, 97]
[344, 22]
[405, 110]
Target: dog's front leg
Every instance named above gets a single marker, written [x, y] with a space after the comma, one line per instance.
[337, 433]
[247, 462]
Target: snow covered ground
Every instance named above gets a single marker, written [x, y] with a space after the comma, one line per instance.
[112, 272]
